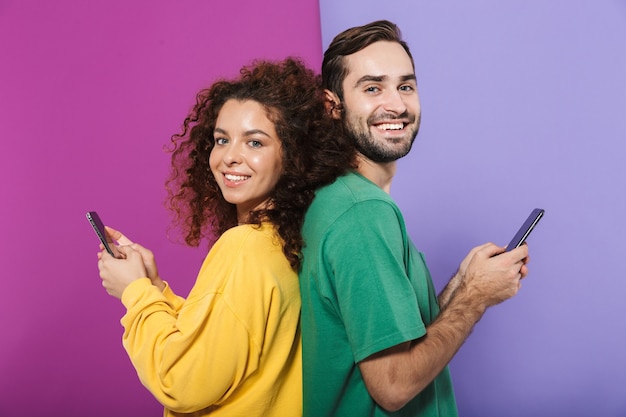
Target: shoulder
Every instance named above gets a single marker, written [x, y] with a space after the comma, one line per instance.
[347, 193]
[352, 198]
[353, 187]
[246, 256]
[250, 235]
[258, 265]
[248, 248]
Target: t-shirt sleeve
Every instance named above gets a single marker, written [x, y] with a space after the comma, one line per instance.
[366, 252]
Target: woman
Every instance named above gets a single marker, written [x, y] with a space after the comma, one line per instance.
[245, 168]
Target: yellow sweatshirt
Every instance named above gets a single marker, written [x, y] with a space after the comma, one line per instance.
[233, 347]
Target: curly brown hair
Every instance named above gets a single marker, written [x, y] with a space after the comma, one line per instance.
[314, 153]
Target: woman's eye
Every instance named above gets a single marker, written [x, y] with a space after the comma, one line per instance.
[220, 141]
[255, 144]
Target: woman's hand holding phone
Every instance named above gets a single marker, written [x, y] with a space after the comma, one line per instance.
[146, 256]
[117, 274]
[124, 262]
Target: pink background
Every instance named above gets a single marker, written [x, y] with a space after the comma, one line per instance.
[90, 92]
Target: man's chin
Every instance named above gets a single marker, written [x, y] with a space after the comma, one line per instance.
[383, 155]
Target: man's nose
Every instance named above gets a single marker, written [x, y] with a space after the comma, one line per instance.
[394, 102]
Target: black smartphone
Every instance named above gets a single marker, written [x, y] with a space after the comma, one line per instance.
[524, 231]
[103, 235]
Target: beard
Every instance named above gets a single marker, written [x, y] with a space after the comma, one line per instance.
[380, 149]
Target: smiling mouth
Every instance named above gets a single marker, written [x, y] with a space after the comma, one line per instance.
[236, 178]
[390, 126]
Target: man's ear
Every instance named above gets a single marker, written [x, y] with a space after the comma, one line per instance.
[333, 104]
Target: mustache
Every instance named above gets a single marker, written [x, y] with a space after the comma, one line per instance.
[390, 117]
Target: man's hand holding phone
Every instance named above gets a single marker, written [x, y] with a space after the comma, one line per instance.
[493, 275]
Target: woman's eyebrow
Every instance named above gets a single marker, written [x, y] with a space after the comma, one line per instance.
[246, 133]
[256, 131]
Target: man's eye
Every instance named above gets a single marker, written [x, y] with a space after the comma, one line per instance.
[372, 89]
[406, 88]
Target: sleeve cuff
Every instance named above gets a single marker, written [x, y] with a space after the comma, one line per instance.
[134, 291]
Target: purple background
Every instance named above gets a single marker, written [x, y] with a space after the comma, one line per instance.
[523, 106]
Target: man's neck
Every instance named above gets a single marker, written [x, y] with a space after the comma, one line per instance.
[380, 173]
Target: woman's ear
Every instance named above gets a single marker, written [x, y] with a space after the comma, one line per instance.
[333, 104]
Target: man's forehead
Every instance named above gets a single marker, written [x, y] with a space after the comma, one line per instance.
[385, 60]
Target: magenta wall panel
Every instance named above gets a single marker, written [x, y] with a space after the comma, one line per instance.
[524, 105]
[90, 93]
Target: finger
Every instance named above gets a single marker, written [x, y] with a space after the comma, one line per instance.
[520, 253]
[481, 247]
[138, 247]
[473, 253]
[146, 254]
[523, 271]
[101, 268]
[118, 236]
[490, 249]
[125, 250]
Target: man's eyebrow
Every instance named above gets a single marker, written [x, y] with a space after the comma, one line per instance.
[380, 78]
[370, 78]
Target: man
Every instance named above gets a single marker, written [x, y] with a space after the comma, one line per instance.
[376, 338]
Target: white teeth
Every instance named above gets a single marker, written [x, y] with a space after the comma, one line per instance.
[231, 177]
[391, 126]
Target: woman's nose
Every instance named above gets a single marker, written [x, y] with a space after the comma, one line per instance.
[232, 155]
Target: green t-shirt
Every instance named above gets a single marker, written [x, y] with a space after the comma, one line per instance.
[365, 288]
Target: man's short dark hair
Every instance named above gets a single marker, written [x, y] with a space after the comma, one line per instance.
[351, 41]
